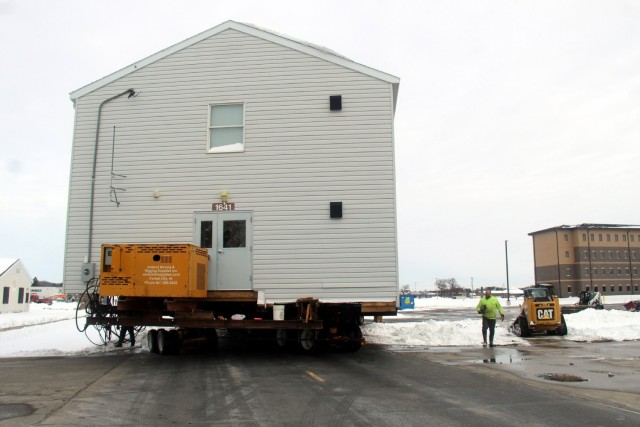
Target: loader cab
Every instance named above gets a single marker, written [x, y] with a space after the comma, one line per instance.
[540, 293]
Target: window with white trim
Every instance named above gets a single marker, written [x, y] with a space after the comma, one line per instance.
[226, 128]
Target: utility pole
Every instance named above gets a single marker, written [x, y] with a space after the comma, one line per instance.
[506, 257]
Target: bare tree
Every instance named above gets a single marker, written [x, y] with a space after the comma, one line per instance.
[442, 285]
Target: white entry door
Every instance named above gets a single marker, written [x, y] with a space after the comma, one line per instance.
[228, 238]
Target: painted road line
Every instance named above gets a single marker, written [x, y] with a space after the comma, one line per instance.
[315, 376]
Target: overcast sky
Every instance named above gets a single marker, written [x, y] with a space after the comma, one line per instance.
[513, 116]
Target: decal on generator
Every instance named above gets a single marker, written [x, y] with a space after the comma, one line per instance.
[167, 270]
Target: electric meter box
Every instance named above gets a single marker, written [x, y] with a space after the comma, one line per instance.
[167, 270]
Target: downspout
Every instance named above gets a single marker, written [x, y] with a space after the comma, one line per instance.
[630, 264]
[589, 258]
[131, 93]
[535, 264]
[558, 258]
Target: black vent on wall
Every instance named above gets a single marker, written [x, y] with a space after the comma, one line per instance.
[335, 102]
[335, 209]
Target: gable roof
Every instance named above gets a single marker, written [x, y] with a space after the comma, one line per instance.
[311, 49]
[5, 264]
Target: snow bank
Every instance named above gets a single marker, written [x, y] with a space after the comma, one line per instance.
[436, 333]
[603, 325]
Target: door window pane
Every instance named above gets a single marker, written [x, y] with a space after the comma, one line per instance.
[206, 233]
[234, 234]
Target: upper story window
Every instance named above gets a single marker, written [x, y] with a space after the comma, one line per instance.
[566, 237]
[608, 237]
[584, 237]
[566, 254]
[624, 237]
[226, 128]
[615, 237]
[600, 237]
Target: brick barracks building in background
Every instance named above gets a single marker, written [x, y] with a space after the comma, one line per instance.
[588, 257]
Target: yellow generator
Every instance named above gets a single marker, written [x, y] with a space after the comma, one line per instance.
[154, 270]
[540, 312]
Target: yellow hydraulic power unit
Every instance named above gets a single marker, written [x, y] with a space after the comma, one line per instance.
[163, 270]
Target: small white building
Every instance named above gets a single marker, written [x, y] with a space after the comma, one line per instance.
[15, 283]
[275, 154]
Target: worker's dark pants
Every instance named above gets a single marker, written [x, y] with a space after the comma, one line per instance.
[491, 325]
[123, 331]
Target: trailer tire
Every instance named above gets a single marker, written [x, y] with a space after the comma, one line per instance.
[308, 341]
[165, 342]
[352, 339]
[283, 338]
[211, 344]
[152, 341]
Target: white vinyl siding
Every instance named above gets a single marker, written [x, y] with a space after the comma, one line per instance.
[298, 157]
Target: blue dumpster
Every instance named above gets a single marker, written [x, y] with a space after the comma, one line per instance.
[406, 301]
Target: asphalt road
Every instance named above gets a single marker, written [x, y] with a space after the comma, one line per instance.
[256, 386]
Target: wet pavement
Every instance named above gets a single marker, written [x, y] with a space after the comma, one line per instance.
[608, 370]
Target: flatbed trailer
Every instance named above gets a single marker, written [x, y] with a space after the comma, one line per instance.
[138, 287]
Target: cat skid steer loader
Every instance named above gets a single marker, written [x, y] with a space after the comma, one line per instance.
[540, 312]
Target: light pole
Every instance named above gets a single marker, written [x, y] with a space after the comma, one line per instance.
[506, 257]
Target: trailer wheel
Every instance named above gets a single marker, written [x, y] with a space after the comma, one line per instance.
[282, 338]
[352, 342]
[165, 346]
[211, 344]
[308, 340]
[152, 341]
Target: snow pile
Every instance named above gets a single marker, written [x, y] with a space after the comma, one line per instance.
[436, 333]
[603, 325]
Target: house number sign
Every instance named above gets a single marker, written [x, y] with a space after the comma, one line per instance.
[224, 206]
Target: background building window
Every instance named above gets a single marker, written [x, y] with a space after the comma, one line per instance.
[566, 237]
[5, 295]
[566, 254]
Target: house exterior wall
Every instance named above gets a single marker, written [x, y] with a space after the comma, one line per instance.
[603, 258]
[14, 286]
[299, 156]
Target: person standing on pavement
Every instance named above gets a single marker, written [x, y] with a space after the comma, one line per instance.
[488, 306]
[123, 331]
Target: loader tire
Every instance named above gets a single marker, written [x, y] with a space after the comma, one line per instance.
[562, 330]
[521, 327]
